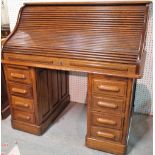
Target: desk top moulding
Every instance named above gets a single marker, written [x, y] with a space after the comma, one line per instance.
[94, 37]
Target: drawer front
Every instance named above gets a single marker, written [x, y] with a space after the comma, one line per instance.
[22, 103]
[23, 116]
[108, 104]
[105, 120]
[110, 87]
[19, 75]
[106, 134]
[20, 90]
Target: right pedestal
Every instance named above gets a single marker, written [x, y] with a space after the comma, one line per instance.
[110, 102]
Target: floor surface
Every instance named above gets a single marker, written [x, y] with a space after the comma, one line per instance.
[66, 136]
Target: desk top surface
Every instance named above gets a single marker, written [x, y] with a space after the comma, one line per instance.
[83, 31]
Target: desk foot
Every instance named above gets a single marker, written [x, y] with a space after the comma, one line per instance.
[26, 127]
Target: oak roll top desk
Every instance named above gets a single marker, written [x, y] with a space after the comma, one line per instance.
[104, 39]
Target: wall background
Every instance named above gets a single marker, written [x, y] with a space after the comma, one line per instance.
[4, 12]
[78, 81]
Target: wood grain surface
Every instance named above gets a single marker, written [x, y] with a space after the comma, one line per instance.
[97, 33]
[106, 40]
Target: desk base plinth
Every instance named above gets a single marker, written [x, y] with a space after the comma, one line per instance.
[106, 146]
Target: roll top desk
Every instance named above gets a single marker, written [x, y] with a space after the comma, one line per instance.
[104, 39]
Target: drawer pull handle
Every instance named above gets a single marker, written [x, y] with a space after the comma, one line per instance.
[109, 88]
[107, 105]
[106, 121]
[17, 90]
[105, 135]
[17, 75]
[25, 117]
[22, 104]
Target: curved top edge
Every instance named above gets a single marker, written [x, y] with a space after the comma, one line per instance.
[16, 25]
[89, 3]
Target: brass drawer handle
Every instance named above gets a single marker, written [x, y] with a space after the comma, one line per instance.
[107, 105]
[108, 88]
[25, 117]
[106, 121]
[17, 75]
[105, 135]
[21, 104]
[17, 90]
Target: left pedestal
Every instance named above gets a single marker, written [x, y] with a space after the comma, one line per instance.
[37, 96]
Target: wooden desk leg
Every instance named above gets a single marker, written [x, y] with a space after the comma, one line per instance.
[109, 113]
[37, 97]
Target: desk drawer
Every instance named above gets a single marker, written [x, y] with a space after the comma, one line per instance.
[22, 103]
[109, 86]
[23, 116]
[108, 104]
[106, 120]
[106, 134]
[18, 75]
[20, 90]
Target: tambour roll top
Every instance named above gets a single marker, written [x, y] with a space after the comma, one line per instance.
[93, 32]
